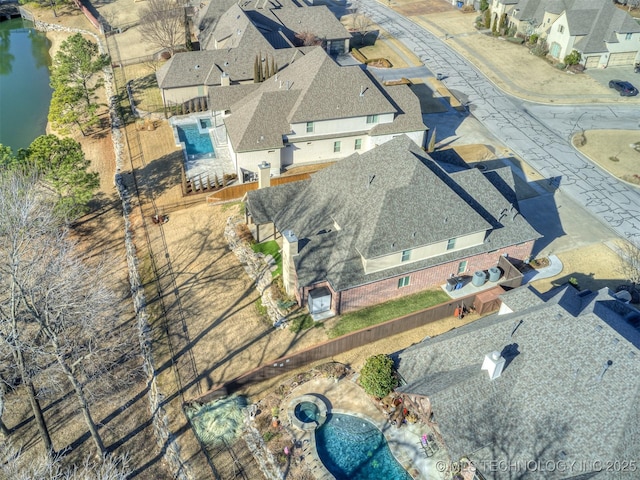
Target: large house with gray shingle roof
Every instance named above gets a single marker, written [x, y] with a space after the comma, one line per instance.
[315, 110]
[605, 35]
[560, 399]
[233, 38]
[387, 223]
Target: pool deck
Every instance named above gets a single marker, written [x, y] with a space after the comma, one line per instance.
[344, 396]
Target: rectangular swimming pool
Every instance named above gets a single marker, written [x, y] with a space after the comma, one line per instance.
[195, 143]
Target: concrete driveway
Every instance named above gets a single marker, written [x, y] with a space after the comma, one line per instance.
[603, 75]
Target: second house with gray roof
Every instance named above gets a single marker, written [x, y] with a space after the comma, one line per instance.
[315, 111]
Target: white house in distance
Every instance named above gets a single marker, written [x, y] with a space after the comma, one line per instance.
[605, 35]
[314, 111]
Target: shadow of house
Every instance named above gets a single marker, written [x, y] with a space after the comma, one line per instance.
[571, 387]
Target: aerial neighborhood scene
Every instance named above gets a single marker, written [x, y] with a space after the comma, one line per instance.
[320, 239]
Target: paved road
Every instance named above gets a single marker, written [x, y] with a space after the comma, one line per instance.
[539, 134]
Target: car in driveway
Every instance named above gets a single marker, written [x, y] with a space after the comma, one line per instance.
[625, 88]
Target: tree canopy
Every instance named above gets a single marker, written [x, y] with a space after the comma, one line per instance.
[162, 23]
[74, 81]
[377, 377]
[60, 165]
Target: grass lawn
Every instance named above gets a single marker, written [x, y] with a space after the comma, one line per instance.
[270, 248]
[369, 316]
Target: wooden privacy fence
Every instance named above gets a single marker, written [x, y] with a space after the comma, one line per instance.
[236, 192]
[336, 346]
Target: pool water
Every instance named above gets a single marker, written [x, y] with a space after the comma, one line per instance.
[195, 142]
[354, 449]
[306, 412]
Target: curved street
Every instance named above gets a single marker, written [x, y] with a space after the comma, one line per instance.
[539, 134]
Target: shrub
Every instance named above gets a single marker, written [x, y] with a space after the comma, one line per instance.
[533, 39]
[487, 18]
[517, 40]
[484, 5]
[560, 66]
[377, 376]
[468, 9]
[573, 58]
[540, 49]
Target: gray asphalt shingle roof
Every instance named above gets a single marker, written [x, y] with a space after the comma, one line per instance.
[555, 400]
[386, 200]
[315, 88]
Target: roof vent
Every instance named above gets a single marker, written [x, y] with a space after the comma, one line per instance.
[362, 90]
[371, 178]
[494, 364]
[261, 138]
[226, 64]
[605, 367]
[197, 67]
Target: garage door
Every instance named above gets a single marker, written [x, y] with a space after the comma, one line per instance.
[621, 59]
[592, 62]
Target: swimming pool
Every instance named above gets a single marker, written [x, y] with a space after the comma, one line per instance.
[195, 143]
[353, 448]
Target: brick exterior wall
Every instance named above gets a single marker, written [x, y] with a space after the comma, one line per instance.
[384, 290]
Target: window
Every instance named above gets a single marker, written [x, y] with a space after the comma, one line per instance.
[406, 255]
[628, 36]
[404, 281]
[309, 127]
[560, 28]
[451, 244]
[372, 118]
[462, 267]
[358, 144]
[336, 147]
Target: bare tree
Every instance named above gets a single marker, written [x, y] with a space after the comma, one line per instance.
[359, 22]
[162, 23]
[25, 219]
[57, 312]
[629, 262]
[46, 466]
[309, 39]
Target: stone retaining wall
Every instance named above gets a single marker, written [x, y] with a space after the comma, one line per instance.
[258, 270]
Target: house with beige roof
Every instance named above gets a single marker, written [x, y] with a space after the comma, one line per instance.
[387, 223]
[547, 388]
[605, 35]
[314, 111]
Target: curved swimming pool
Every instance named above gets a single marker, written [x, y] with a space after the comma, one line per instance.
[352, 448]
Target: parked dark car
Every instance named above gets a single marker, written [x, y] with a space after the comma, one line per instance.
[625, 88]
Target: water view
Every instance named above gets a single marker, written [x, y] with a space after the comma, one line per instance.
[24, 83]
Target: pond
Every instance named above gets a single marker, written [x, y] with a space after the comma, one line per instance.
[25, 93]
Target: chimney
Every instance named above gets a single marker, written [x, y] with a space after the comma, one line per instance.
[224, 79]
[493, 363]
[264, 176]
[289, 250]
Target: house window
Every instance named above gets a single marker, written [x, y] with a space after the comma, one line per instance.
[372, 119]
[406, 255]
[336, 147]
[358, 144]
[451, 244]
[309, 127]
[560, 28]
[404, 281]
[462, 267]
[628, 36]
